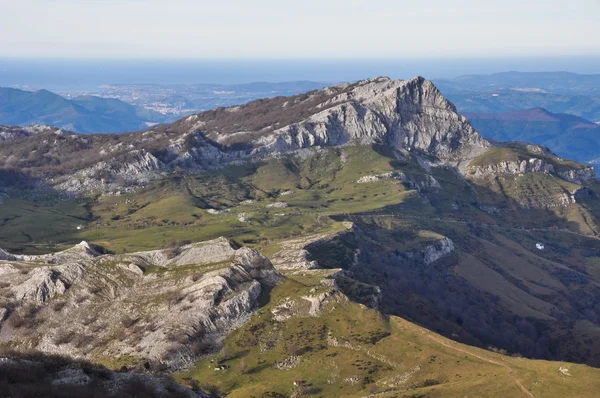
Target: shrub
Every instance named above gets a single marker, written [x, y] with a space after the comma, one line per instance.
[58, 305]
[128, 321]
[63, 337]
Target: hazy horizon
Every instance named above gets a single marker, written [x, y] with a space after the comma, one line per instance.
[336, 29]
[87, 74]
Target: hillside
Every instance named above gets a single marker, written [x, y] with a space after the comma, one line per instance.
[84, 114]
[570, 136]
[307, 338]
[367, 201]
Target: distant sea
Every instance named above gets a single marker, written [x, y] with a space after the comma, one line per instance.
[68, 75]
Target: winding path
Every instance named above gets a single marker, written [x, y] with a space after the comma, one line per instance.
[510, 370]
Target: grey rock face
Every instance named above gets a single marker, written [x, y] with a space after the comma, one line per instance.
[167, 306]
[409, 115]
[578, 176]
[533, 165]
[13, 132]
[440, 249]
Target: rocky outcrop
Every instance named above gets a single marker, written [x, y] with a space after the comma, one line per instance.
[578, 176]
[293, 256]
[378, 177]
[6, 256]
[532, 165]
[438, 250]
[45, 283]
[168, 306]
[418, 183]
[139, 168]
[14, 132]
[407, 116]
[83, 251]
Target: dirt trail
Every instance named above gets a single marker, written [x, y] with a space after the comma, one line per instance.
[510, 370]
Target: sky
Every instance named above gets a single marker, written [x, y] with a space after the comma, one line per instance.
[302, 29]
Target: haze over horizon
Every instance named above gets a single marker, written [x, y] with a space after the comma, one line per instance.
[268, 29]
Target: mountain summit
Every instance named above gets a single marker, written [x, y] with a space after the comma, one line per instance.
[409, 115]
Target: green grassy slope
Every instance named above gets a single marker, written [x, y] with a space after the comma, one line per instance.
[494, 279]
[177, 209]
[352, 351]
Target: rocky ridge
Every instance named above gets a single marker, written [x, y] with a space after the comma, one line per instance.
[410, 117]
[407, 116]
[166, 306]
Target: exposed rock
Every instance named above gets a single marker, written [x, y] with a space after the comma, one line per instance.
[564, 371]
[3, 314]
[578, 176]
[317, 302]
[409, 116]
[46, 283]
[294, 259]
[78, 253]
[193, 296]
[533, 165]
[418, 183]
[440, 249]
[287, 363]
[377, 177]
[293, 255]
[4, 255]
[277, 205]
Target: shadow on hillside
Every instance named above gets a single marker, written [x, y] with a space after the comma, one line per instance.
[40, 375]
[35, 217]
[437, 297]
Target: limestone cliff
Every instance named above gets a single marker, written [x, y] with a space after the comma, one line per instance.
[166, 306]
[405, 115]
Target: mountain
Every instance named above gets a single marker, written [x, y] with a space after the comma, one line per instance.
[505, 100]
[558, 92]
[409, 115]
[570, 136]
[84, 114]
[292, 245]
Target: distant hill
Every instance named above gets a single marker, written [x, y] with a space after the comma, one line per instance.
[552, 82]
[84, 114]
[558, 92]
[569, 136]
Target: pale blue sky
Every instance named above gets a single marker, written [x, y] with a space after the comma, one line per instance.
[298, 29]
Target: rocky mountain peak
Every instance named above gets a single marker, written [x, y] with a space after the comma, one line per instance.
[405, 115]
